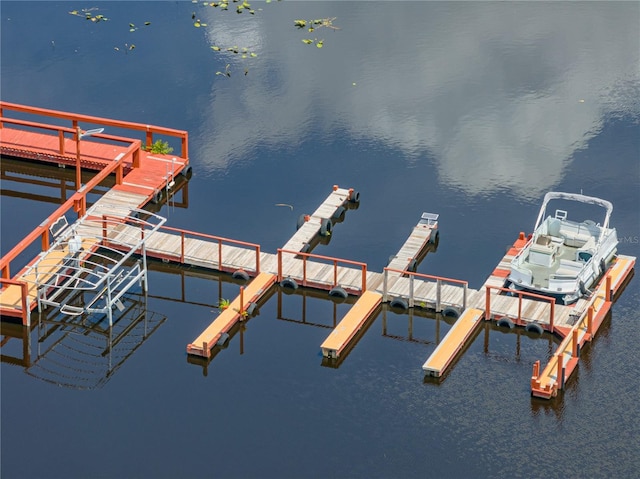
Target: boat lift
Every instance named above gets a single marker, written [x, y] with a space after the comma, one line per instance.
[95, 256]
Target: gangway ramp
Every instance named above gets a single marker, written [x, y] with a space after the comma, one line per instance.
[347, 328]
[202, 345]
[452, 343]
[321, 221]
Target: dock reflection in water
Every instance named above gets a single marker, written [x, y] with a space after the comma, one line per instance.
[83, 352]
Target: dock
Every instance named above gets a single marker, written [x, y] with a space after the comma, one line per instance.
[413, 249]
[552, 379]
[342, 334]
[453, 342]
[116, 229]
[217, 331]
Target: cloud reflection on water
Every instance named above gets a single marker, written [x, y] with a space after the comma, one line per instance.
[501, 95]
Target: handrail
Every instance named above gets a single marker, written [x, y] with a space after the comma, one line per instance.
[439, 280]
[305, 256]
[520, 294]
[75, 118]
[77, 200]
[219, 239]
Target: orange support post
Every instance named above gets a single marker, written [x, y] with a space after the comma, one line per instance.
[304, 270]
[279, 265]
[335, 273]
[608, 287]
[205, 349]
[119, 175]
[241, 302]
[552, 315]
[182, 237]
[574, 344]
[258, 259]
[487, 303]
[219, 255]
[536, 370]
[590, 321]
[364, 278]
[61, 141]
[45, 239]
[559, 372]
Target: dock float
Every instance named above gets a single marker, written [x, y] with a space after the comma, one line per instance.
[347, 328]
[453, 342]
[565, 359]
[236, 311]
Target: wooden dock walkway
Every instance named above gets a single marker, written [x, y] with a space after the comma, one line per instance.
[413, 249]
[321, 221]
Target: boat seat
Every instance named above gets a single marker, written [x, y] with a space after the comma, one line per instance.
[574, 234]
[568, 267]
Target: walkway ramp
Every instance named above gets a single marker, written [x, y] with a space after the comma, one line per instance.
[453, 342]
[202, 345]
[344, 332]
[320, 222]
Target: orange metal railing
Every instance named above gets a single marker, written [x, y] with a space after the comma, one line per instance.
[77, 201]
[335, 261]
[75, 119]
[521, 295]
[219, 239]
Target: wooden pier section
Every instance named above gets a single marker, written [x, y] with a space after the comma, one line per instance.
[409, 255]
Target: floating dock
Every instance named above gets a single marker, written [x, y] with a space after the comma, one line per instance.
[141, 178]
[217, 332]
[453, 342]
[340, 337]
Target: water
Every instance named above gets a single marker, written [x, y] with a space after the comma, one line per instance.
[470, 110]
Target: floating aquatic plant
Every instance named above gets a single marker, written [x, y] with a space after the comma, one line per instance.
[86, 14]
[133, 28]
[127, 48]
[312, 25]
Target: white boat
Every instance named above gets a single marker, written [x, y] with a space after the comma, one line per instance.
[564, 258]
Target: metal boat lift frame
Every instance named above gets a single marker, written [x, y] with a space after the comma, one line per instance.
[97, 251]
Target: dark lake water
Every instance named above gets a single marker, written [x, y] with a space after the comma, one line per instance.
[469, 110]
